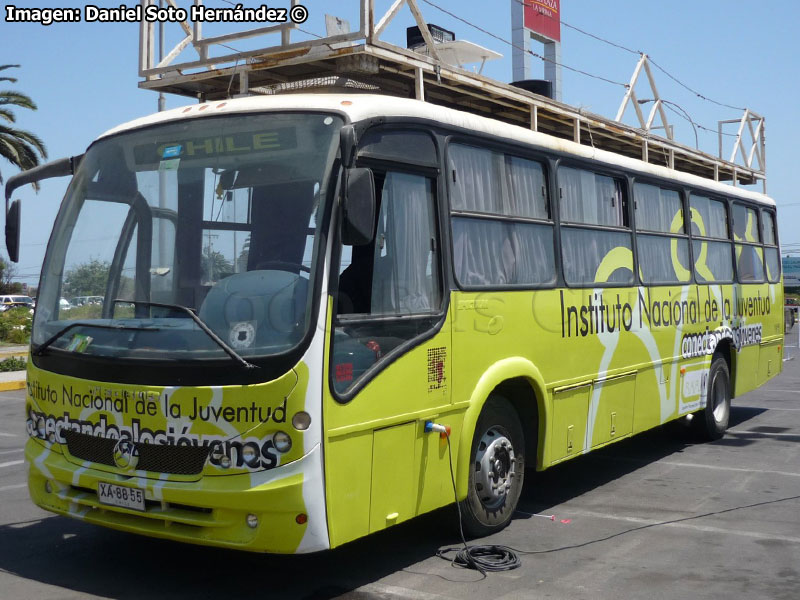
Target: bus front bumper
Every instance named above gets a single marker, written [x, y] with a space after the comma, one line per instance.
[261, 512]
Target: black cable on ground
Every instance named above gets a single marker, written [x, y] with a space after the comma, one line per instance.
[483, 558]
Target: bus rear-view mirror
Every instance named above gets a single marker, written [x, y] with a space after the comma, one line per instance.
[13, 219]
[358, 214]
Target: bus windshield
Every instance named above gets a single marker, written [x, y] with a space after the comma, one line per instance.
[218, 215]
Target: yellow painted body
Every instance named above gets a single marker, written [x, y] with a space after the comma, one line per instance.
[208, 508]
[590, 390]
[380, 467]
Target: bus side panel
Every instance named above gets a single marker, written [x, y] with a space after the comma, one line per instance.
[613, 416]
[747, 376]
[435, 487]
[772, 342]
[381, 467]
[570, 410]
[348, 469]
[770, 359]
[757, 306]
[570, 343]
[392, 476]
[651, 384]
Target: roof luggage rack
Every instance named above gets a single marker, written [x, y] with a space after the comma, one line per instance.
[361, 61]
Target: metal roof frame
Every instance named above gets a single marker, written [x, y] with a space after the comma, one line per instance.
[363, 57]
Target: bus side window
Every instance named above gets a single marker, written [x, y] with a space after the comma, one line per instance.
[746, 234]
[502, 230]
[596, 244]
[772, 258]
[661, 239]
[711, 245]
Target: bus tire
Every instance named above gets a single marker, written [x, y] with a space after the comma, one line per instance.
[711, 422]
[497, 469]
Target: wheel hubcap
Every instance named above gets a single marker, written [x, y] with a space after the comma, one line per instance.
[719, 399]
[495, 468]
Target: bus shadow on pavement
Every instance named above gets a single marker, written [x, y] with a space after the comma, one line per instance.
[77, 556]
[580, 475]
[740, 414]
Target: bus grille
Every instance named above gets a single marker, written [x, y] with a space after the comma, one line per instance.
[156, 458]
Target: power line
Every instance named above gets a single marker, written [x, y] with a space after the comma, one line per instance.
[650, 58]
[539, 56]
[598, 38]
[695, 92]
[683, 114]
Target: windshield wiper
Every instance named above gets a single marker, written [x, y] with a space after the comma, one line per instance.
[44, 346]
[217, 340]
[228, 350]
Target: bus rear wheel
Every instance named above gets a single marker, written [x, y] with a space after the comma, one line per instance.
[711, 422]
[497, 469]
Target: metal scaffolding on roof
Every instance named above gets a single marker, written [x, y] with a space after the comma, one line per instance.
[354, 60]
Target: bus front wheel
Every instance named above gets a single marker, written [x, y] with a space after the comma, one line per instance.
[496, 471]
[711, 422]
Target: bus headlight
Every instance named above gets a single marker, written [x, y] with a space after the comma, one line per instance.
[282, 441]
[219, 458]
[250, 456]
[301, 421]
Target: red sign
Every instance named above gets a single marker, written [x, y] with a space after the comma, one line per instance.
[543, 17]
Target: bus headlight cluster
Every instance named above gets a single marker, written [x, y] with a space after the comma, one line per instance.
[282, 441]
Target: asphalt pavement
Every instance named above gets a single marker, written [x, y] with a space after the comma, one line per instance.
[656, 516]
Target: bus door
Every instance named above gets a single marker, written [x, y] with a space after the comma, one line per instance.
[389, 359]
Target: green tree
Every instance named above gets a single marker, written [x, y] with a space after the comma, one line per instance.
[8, 272]
[215, 265]
[87, 279]
[21, 148]
[244, 255]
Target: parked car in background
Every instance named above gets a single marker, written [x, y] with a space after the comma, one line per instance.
[84, 300]
[790, 312]
[7, 302]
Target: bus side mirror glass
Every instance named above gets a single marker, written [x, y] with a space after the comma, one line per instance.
[12, 230]
[358, 208]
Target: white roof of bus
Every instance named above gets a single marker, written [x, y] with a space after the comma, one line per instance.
[364, 106]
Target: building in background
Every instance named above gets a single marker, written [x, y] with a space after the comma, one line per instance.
[791, 273]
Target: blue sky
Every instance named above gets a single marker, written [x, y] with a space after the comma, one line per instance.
[84, 76]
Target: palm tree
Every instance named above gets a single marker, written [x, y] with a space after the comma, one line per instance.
[21, 148]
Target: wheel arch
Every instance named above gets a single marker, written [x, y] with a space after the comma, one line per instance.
[520, 382]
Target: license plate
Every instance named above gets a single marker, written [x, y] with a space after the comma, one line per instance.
[119, 495]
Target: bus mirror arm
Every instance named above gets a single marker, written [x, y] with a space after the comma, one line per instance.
[57, 168]
[358, 207]
[347, 146]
